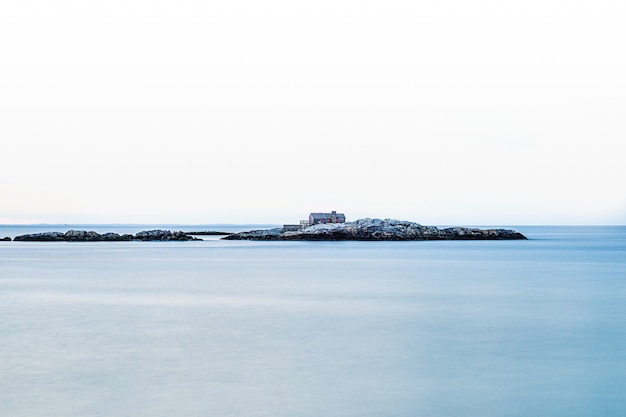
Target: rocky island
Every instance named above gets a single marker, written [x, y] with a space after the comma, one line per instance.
[377, 230]
[85, 236]
[363, 230]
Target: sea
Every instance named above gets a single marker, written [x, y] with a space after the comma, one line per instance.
[313, 329]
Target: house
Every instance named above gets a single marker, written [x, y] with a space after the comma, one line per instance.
[332, 217]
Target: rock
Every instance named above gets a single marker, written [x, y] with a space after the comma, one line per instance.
[377, 229]
[6, 239]
[85, 236]
[114, 237]
[41, 237]
[162, 235]
[270, 234]
[81, 236]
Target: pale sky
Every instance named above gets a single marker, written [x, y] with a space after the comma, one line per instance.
[439, 112]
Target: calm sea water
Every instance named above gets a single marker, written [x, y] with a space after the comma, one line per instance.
[219, 328]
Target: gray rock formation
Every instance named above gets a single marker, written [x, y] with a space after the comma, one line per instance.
[6, 239]
[41, 237]
[162, 235]
[85, 236]
[377, 229]
[269, 234]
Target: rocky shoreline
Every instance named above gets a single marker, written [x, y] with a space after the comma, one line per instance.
[377, 230]
[85, 236]
[359, 230]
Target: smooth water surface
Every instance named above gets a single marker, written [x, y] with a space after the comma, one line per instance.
[228, 328]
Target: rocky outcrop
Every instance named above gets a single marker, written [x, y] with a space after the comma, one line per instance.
[377, 229]
[85, 236]
[72, 236]
[162, 235]
[6, 239]
[269, 234]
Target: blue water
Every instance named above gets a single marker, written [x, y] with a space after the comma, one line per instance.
[230, 328]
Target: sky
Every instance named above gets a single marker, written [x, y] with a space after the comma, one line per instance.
[201, 112]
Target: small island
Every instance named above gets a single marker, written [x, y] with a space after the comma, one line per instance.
[375, 230]
[319, 226]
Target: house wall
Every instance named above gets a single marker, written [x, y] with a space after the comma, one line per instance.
[327, 218]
